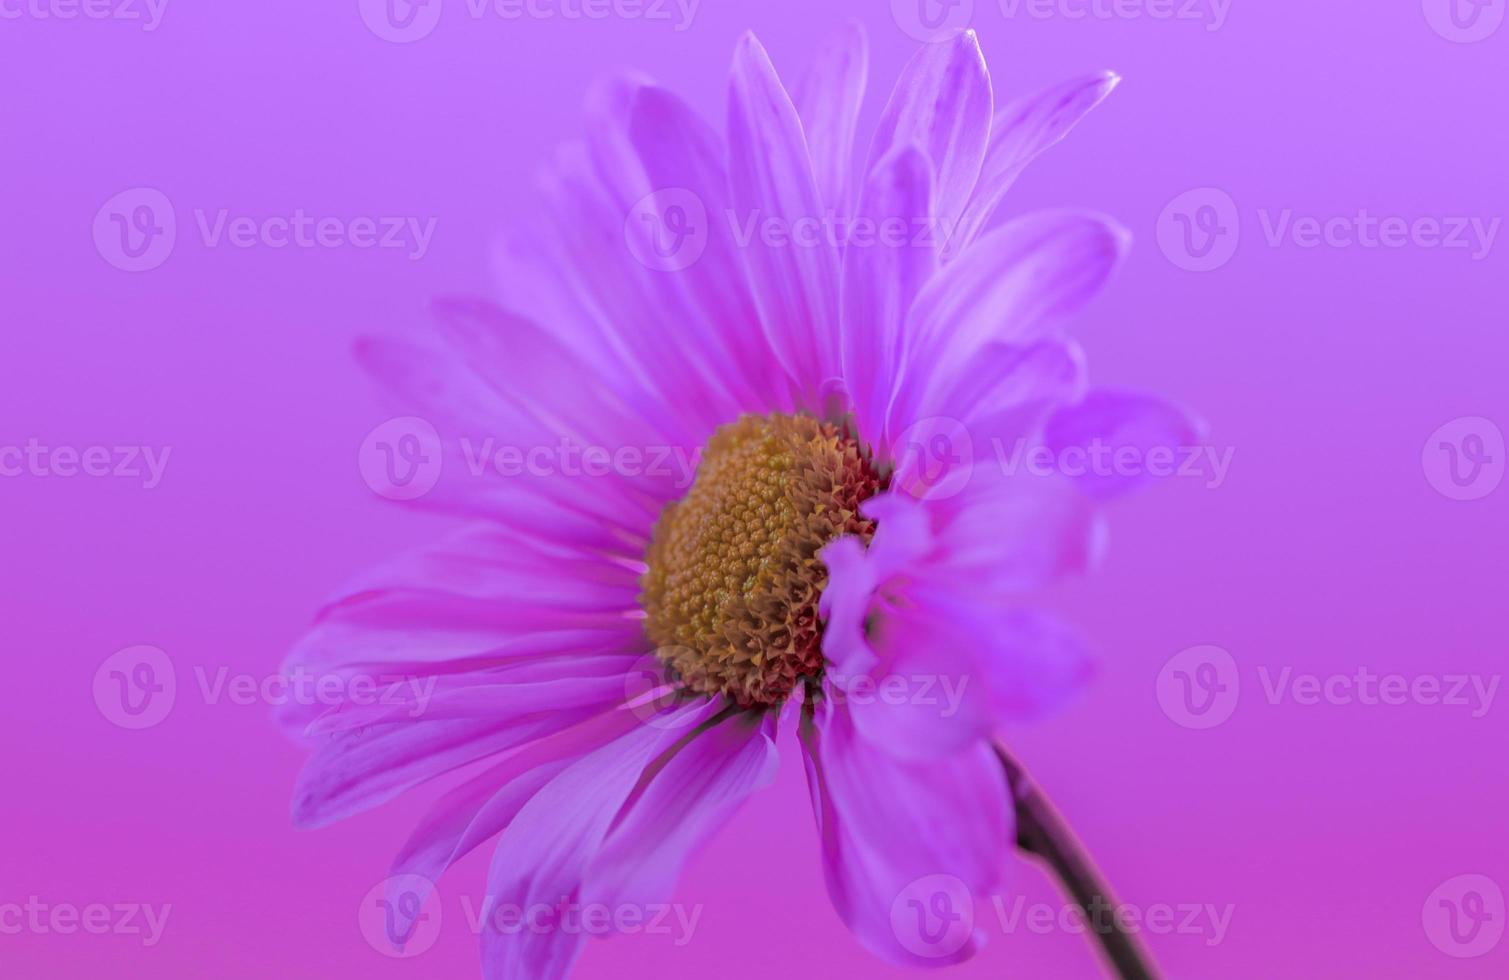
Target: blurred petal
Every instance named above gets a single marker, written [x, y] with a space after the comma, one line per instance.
[1121, 429]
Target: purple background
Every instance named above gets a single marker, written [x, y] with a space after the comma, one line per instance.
[1324, 828]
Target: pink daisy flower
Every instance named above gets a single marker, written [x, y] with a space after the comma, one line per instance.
[756, 397]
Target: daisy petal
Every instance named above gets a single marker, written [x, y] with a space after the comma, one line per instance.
[1002, 377]
[845, 605]
[927, 695]
[936, 664]
[879, 820]
[353, 771]
[942, 103]
[680, 152]
[471, 420]
[484, 805]
[656, 335]
[1122, 426]
[828, 101]
[480, 601]
[689, 798]
[882, 275]
[1039, 664]
[1015, 533]
[543, 855]
[795, 275]
[1021, 131]
[1017, 282]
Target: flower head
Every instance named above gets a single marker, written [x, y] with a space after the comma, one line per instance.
[610, 647]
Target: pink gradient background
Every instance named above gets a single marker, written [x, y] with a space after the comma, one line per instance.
[1325, 370]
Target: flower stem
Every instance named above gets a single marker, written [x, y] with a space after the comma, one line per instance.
[1042, 832]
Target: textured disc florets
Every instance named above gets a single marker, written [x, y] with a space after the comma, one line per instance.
[733, 583]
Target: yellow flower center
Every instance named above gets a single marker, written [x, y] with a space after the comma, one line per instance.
[733, 583]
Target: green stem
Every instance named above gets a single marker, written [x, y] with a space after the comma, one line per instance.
[1042, 832]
